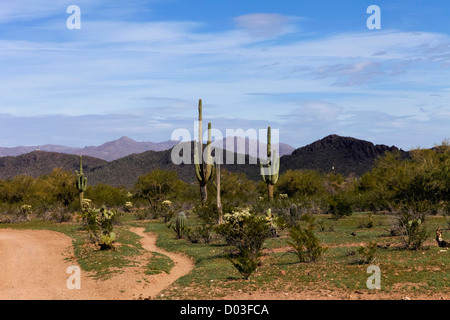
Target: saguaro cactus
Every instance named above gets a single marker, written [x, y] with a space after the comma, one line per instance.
[81, 182]
[273, 167]
[180, 224]
[219, 199]
[204, 171]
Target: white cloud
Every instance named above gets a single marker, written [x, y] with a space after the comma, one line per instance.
[111, 66]
[265, 25]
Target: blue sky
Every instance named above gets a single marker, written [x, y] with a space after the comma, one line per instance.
[309, 68]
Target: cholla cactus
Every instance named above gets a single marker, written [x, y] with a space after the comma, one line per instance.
[25, 209]
[128, 206]
[236, 216]
[86, 204]
[272, 221]
[99, 224]
[167, 210]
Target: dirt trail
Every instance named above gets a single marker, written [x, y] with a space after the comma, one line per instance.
[33, 265]
[182, 264]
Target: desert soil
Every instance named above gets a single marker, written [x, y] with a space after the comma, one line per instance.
[34, 265]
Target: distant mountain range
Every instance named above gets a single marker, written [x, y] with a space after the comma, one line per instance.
[345, 154]
[125, 146]
[108, 151]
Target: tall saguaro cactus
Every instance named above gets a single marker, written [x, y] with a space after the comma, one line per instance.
[271, 172]
[81, 182]
[203, 169]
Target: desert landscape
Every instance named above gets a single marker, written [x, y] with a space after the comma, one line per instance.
[224, 158]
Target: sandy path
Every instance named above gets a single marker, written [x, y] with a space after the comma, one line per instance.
[182, 264]
[33, 265]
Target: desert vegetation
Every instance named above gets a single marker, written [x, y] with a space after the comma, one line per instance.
[287, 230]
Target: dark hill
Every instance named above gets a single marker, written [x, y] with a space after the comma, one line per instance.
[251, 146]
[125, 171]
[347, 155]
[39, 163]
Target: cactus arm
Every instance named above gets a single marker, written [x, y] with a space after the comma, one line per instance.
[208, 170]
[198, 164]
[204, 171]
[262, 173]
[275, 168]
[200, 126]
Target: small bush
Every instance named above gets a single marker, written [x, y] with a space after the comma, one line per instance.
[25, 210]
[100, 224]
[128, 207]
[245, 262]
[340, 206]
[143, 213]
[274, 222]
[58, 215]
[306, 245]
[367, 223]
[367, 254]
[412, 228]
[201, 233]
[246, 232]
[166, 210]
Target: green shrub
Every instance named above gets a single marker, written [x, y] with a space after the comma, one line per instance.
[159, 185]
[58, 215]
[306, 183]
[340, 206]
[306, 245]
[367, 223]
[245, 262]
[106, 195]
[367, 254]
[201, 233]
[246, 232]
[416, 234]
[411, 226]
[100, 225]
[274, 222]
[166, 209]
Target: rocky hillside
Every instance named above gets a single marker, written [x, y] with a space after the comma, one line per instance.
[345, 154]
